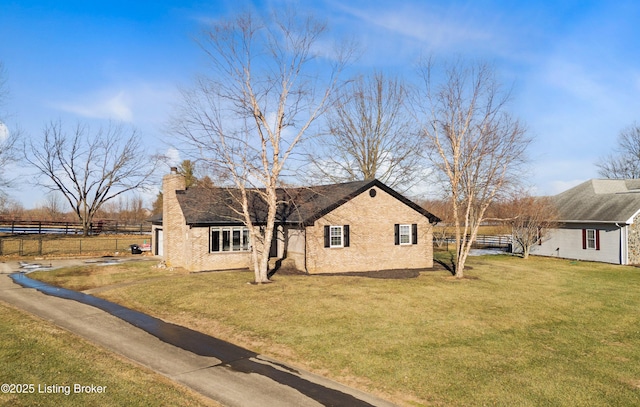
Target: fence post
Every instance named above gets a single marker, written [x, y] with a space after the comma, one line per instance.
[80, 246]
[1, 248]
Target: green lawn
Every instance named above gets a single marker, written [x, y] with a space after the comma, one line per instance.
[34, 352]
[515, 333]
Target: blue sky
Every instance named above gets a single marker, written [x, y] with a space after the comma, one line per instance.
[574, 65]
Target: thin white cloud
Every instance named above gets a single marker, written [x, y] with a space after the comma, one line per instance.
[104, 105]
[435, 28]
[132, 103]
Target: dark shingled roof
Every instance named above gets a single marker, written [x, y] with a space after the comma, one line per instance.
[600, 200]
[300, 205]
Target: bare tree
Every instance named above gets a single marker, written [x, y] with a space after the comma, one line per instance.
[624, 162]
[90, 168]
[10, 208]
[476, 147]
[246, 117]
[369, 134]
[531, 219]
[53, 206]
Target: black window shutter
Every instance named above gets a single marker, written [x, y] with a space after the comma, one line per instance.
[414, 233]
[597, 239]
[345, 232]
[584, 239]
[327, 242]
[396, 231]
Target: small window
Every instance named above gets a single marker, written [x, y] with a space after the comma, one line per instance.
[226, 240]
[405, 234]
[237, 239]
[591, 239]
[245, 239]
[336, 236]
[215, 240]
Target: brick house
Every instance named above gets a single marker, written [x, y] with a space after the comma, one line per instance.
[599, 221]
[354, 226]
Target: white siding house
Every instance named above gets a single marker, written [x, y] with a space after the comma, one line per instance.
[599, 221]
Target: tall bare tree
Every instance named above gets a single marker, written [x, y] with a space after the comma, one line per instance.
[90, 168]
[369, 134]
[246, 116]
[624, 162]
[476, 147]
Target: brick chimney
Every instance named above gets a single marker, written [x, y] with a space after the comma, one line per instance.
[173, 222]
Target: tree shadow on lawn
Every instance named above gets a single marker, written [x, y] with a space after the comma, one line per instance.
[450, 265]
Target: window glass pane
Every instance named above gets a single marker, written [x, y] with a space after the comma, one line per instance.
[405, 234]
[236, 240]
[226, 240]
[215, 240]
[591, 239]
[336, 236]
[245, 239]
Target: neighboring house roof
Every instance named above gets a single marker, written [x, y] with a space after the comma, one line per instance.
[300, 205]
[600, 200]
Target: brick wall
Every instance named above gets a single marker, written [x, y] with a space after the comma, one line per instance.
[372, 245]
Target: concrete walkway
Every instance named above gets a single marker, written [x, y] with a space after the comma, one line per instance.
[222, 371]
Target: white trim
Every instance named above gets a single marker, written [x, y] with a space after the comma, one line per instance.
[624, 245]
[408, 234]
[331, 228]
[630, 220]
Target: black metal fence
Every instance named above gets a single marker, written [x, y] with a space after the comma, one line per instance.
[22, 226]
[13, 246]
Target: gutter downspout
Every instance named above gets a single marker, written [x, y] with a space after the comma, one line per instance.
[624, 249]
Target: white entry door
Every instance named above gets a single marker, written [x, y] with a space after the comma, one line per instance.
[159, 243]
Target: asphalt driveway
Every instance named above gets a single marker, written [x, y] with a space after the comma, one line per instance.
[229, 374]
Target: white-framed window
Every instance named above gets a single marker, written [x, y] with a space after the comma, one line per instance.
[405, 234]
[591, 239]
[229, 239]
[335, 236]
